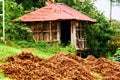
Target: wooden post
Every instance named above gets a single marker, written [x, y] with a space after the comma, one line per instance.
[3, 20]
[110, 11]
[72, 34]
[58, 32]
[50, 33]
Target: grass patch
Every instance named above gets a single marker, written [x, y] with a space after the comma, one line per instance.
[110, 56]
[6, 51]
[1, 75]
[42, 54]
[117, 55]
[97, 75]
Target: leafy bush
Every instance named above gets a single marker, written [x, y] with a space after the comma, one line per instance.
[0, 7]
[31, 4]
[115, 42]
[46, 47]
[15, 31]
[117, 55]
[1, 27]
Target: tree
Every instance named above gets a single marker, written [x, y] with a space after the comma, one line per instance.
[114, 43]
[0, 19]
[68, 2]
[14, 31]
[31, 4]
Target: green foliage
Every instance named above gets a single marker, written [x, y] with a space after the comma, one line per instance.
[0, 7]
[117, 55]
[31, 4]
[69, 3]
[115, 42]
[1, 20]
[15, 31]
[1, 26]
[46, 47]
[98, 36]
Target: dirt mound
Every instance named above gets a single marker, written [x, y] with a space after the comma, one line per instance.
[24, 56]
[107, 68]
[62, 66]
[110, 70]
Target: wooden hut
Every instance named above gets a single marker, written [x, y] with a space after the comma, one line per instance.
[58, 22]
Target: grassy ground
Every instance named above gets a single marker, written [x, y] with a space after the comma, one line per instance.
[6, 51]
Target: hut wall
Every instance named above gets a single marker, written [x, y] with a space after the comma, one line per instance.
[50, 32]
[45, 31]
[78, 34]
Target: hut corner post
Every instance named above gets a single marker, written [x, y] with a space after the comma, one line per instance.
[58, 33]
[73, 35]
[50, 32]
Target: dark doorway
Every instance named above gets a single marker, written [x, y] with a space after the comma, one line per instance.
[65, 32]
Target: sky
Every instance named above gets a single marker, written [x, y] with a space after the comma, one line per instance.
[104, 6]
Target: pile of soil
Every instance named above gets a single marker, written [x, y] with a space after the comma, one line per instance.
[62, 66]
[107, 68]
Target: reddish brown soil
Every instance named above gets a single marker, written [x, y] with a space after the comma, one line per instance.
[62, 66]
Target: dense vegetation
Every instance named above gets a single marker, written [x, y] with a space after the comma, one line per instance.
[98, 35]
[117, 55]
[0, 19]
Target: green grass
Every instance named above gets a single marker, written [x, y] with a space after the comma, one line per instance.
[42, 54]
[110, 56]
[97, 75]
[2, 76]
[6, 51]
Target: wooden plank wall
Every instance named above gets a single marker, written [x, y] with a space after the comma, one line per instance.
[78, 32]
[45, 31]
